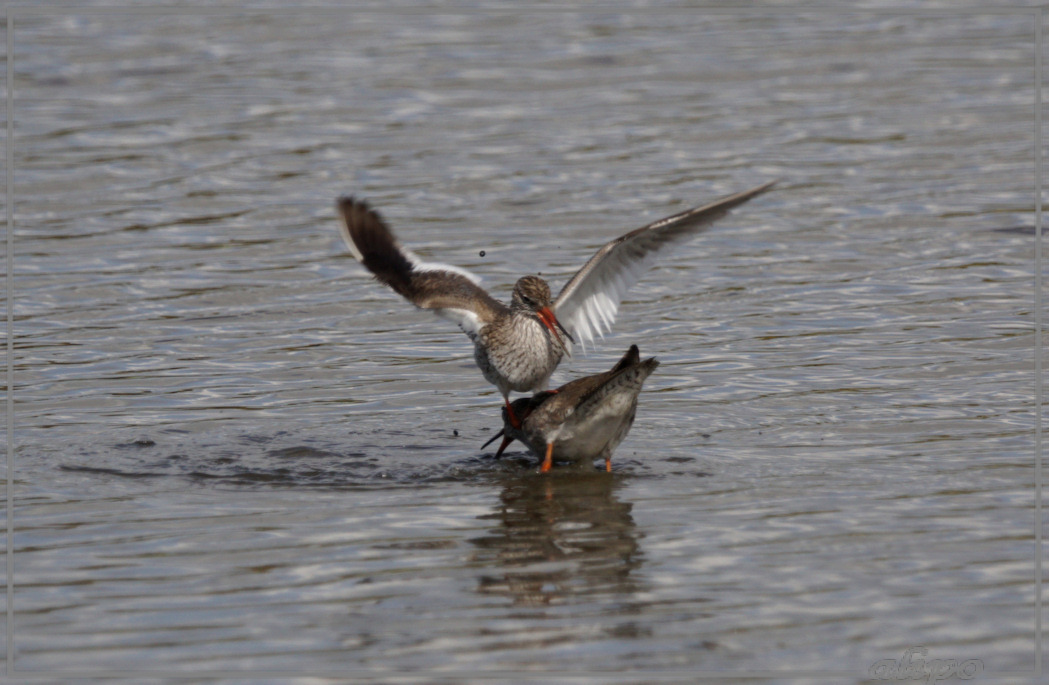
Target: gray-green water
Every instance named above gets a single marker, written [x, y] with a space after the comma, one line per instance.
[235, 452]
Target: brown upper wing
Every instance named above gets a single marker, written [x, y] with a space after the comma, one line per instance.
[448, 290]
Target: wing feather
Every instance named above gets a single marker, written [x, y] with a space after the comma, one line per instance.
[449, 291]
[588, 304]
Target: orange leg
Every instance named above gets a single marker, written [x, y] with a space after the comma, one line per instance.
[549, 460]
[514, 421]
[608, 464]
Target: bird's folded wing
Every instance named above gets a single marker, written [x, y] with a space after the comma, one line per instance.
[625, 377]
[588, 303]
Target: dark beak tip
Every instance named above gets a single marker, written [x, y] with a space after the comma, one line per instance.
[494, 438]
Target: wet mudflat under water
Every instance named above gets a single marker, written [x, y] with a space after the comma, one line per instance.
[235, 453]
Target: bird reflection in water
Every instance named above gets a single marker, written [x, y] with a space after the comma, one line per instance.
[559, 536]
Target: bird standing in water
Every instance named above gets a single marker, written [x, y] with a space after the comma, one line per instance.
[517, 347]
[582, 420]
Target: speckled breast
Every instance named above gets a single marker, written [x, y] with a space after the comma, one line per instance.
[517, 356]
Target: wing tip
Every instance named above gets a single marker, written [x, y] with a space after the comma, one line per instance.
[351, 211]
[371, 243]
[739, 198]
[346, 201]
[630, 359]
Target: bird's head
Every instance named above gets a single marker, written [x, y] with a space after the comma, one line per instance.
[532, 297]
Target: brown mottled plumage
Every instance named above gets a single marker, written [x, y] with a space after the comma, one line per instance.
[582, 420]
[517, 347]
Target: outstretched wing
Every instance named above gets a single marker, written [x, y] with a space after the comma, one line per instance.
[449, 291]
[588, 303]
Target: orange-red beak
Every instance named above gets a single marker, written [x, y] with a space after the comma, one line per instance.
[506, 442]
[546, 315]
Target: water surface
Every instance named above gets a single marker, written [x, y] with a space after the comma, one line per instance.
[235, 452]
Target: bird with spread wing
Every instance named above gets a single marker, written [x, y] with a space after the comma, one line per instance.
[518, 346]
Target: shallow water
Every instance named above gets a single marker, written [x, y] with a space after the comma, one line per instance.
[236, 453]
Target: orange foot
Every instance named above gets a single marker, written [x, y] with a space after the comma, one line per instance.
[548, 461]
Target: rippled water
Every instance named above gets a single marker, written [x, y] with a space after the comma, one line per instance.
[236, 453]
